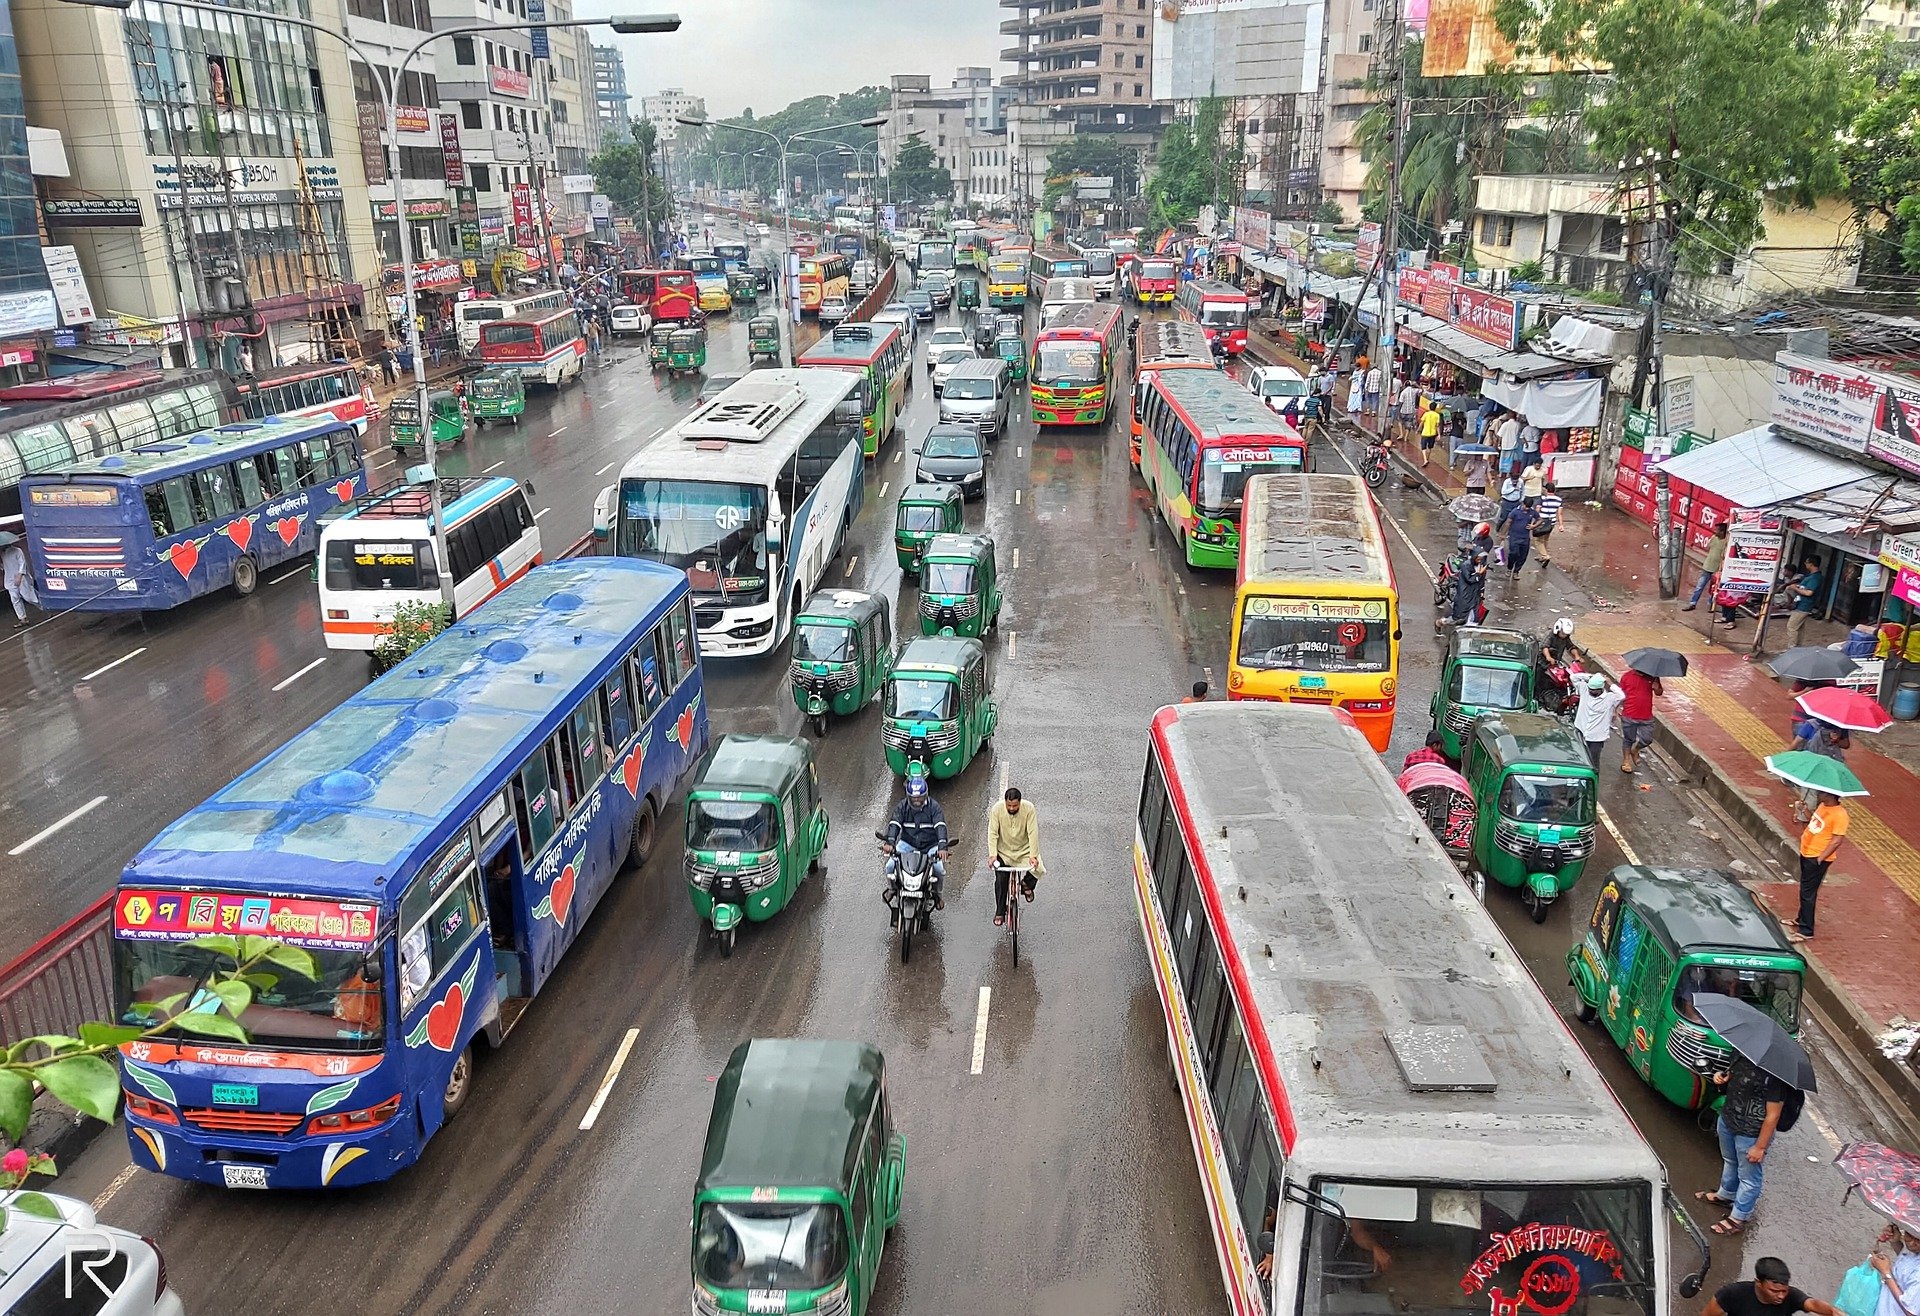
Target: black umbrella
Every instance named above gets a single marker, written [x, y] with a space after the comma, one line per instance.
[1811, 662]
[1759, 1037]
[1657, 663]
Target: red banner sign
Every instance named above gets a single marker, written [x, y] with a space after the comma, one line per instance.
[1413, 287]
[523, 234]
[1442, 279]
[450, 148]
[509, 82]
[412, 119]
[1489, 318]
[157, 915]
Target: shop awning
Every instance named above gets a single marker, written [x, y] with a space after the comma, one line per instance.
[1550, 403]
[1759, 468]
[1463, 349]
[1529, 365]
[1854, 516]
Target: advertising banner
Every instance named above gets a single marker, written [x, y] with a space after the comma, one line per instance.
[523, 215]
[1366, 245]
[373, 155]
[1489, 318]
[537, 13]
[1413, 287]
[1826, 400]
[509, 82]
[1253, 227]
[1442, 279]
[93, 212]
[69, 285]
[466, 209]
[1753, 552]
[161, 915]
[412, 119]
[1313, 309]
[456, 172]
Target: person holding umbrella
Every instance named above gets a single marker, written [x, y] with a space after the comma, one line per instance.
[1899, 1274]
[1769, 1070]
[1640, 683]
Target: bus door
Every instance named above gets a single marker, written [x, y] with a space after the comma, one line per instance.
[505, 880]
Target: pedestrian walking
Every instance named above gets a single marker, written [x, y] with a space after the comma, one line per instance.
[1508, 431]
[593, 338]
[1408, 405]
[1533, 479]
[1636, 716]
[387, 367]
[1710, 567]
[1199, 694]
[1820, 841]
[1805, 593]
[1767, 1294]
[1548, 505]
[1529, 445]
[1356, 394]
[1749, 1117]
[1520, 537]
[1374, 384]
[1593, 719]
[18, 579]
[1472, 582]
[1510, 496]
[1429, 433]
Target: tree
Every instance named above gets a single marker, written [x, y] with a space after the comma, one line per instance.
[1088, 156]
[414, 623]
[810, 115]
[1881, 154]
[625, 173]
[916, 175]
[1198, 165]
[1743, 101]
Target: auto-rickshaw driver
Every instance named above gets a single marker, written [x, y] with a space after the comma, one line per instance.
[919, 821]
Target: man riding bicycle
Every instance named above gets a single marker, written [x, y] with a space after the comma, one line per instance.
[1013, 842]
[919, 821]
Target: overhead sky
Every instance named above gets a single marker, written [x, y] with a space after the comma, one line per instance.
[766, 54]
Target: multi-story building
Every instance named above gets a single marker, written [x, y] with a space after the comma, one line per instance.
[575, 127]
[1092, 57]
[1351, 39]
[965, 124]
[26, 303]
[386, 30]
[220, 157]
[664, 110]
[610, 88]
[504, 124]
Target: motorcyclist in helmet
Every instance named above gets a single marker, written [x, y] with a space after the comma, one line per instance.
[1560, 640]
[919, 821]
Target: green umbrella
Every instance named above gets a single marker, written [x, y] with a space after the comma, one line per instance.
[1815, 772]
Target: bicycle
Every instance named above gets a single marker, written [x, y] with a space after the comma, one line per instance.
[1373, 464]
[1011, 878]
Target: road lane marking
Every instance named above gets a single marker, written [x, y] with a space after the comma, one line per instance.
[852, 562]
[45, 832]
[980, 1031]
[898, 455]
[297, 675]
[557, 433]
[883, 487]
[1016, 497]
[1826, 1129]
[1016, 557]
[125, 658]
[1606, 821]
[119, 1182]
[1012, 638]
[542, 512]
[606, 1084]
[496, 466]
[604, 469]
[297, 571]
[1019, 451]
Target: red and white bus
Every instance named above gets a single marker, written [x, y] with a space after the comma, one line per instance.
[1219, 308]
[546, 349]
[1070, 375]
[1370, 1075]
[662, 294]
[1154, 279]
[330, 390]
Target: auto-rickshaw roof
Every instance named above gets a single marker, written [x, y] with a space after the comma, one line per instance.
[739, 762]
[1492, 642]
[960, 546]
[938, 653]
[1700, 908]
[1533, 738]
[930, 493]
[841, 605]
[690, 335]
[789, 1113]
[763, 322]
[490, 377]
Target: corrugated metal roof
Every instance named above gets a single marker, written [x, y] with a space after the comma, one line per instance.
[1865, 507]
[1760, 468]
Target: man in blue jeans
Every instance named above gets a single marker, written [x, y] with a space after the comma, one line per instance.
[1755, 1100]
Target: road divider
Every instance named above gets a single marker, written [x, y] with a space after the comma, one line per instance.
[606, 1084]
[53, 828]
[123, 658]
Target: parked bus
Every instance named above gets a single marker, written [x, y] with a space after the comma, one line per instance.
[1219, 308]
[331, 390]
[1163, 345]
[469, 316]
[1154, 278]
[56, 421]
[934, 255]
[662, 294]
[425, 853]
[823, 275]
[1316, 615]
[883, 359]
[1070, 376]
[150, 528]
[751, 495]
[1055, 263]
[710, 277]
[377, 553]
[1102, 266]
[1007, 281]
[1202, 437]
[1368, 1070]
[546, 349]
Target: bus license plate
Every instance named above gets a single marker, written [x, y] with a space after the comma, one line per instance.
[245, 1176]
[236, 1094]
[1313, 683]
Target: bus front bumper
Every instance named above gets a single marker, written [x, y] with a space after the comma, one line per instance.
[233, 1160]
[740, 632]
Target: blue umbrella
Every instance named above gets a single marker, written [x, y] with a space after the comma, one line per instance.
[1475, 450]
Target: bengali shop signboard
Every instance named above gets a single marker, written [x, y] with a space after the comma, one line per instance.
[1254, 228]
[523, 215]
[509, 82]
[1489, 318]
[1442, 279]
[412, 119]
[1753, 552]
[1900, 554]
[456, 173]
[1413, 287]
[1366, 245]
[1858, 410]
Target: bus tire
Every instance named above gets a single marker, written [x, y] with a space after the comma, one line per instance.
[459, 1085]
[640, 841]
[246, 575]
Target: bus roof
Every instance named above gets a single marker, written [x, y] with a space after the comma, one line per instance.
[747, 434]
[858, 343]
[342, 806]
[1316, 527]
[1082, 320]
[1359, 954]
[1214, 288]
[786, 1112]
[1067, 288]
[460, 496]
[1219, 406]
[1172, 342]
[76, 388]
[190, 451]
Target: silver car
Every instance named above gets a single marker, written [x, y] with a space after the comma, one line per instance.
[106, 1270]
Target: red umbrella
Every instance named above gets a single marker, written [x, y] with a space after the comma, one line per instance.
[1888, 1180]
[1845, 708]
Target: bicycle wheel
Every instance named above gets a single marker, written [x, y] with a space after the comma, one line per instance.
[1013, 915]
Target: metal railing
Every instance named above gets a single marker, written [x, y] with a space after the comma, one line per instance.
[65, 979]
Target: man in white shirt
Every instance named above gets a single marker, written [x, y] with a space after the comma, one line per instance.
[1509, 432]
[1594, 718]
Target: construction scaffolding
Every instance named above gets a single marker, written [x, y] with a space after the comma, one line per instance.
[330, 327]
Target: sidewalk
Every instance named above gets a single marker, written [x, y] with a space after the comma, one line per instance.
[1718, 723]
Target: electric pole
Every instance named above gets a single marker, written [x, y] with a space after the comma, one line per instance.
[1393, 31]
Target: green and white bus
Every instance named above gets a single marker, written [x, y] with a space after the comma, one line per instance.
[882, 357]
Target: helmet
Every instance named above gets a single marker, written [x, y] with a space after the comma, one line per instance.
[1564, 626]
[1482, 531]
[916, 786]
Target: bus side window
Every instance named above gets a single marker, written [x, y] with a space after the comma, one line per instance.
[462, 549]
[1260, 1186]
[286, 465]
[1153, 804]
[1233, 1050]
[560, 750]
[157, 511]
[680, 627]
[266, 476]
[303, 472]
[616, 711]
[199, 497]
[522, 516]
[346, 458]
[1189, 922]
[1169, 857]
[650, 668]
[589, 744]
[535, 805]
[1237, 1129]
[247, 479]
[317, 470]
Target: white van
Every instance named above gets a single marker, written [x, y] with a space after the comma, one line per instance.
[379, 553]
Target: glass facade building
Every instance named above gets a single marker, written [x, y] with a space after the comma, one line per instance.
[26, 302]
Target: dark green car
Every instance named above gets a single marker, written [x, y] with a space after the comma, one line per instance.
[755, 829]
[800, 1182]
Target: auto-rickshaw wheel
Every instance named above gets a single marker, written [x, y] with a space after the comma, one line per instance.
[726, 943]
[820, 725]
[1536, 906]
[1584, 1012]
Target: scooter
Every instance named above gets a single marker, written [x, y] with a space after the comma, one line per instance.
[1560, 673]
[909, 889]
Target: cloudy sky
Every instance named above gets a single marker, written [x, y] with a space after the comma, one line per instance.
[767, 53]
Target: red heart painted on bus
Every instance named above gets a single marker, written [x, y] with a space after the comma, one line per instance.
[630, 769]
[683, 727]
[185, 556]
[343, 490]
[288, 528]
[561, 894]
[443, 1020]
[240, 532]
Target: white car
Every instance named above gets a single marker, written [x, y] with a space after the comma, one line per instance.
[111, 1271]
[948, 337]
[944, 359]
[764, 230]
[1280, 387]
[833, 310]
[901, 314]
[627, 318]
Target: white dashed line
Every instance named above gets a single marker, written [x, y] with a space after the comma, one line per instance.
[542, 512]
[1016, 497]
[297, 675]
[884, 486]
[606, 1084]
[1606, 821]
[297, 571]
[1013, 638]
[1399, 529]
[980, 1031]
[1016, 557]
[45, 832]
[604, 469]
[496, 466]
[557, 433]
[124, 658]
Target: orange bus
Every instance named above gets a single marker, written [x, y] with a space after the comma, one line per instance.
[826, 274]
[663, 294]
[1070, 375]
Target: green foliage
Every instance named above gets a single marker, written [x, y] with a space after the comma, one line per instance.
[1529, 271]
[1327, 212]
[1198, 164]
[1090, 156]
[1881, 154]
[628, 174]
[810, 115]
[413, 625]
[916, 175]
[1747, 99]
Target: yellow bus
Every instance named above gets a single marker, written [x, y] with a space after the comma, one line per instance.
[823, 276]
[1007, 281]
[1316, 617]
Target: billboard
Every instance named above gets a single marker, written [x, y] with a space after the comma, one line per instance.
[1236, 48]
[1462, 40]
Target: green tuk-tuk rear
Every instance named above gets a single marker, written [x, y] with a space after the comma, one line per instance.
[842, 652]
[1536, 795]
[1658, 937]
[939, 711]
[959, 586]
[687, 350]
[755, 829]
[925, 510]
[967, 295]
[744, 286]
[1486, 670]
[800, 1180]
[763, 338]
[660, 342]
[1013, 350]
[497, 395]
[447, 419]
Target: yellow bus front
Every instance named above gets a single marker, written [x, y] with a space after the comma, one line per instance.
[1315, 643]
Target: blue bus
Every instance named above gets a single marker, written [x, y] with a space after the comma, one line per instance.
[156, 525]
[424, 855]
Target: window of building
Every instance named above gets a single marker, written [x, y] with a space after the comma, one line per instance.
[1496, 230]
[1136, 89]
[269, 94]
[463, 50]
[1139, 61]
[488, 45]
[1116, 91]
[497, 127]
[470, 115]
[1366, 42]
[482, 177]
[1140, 30]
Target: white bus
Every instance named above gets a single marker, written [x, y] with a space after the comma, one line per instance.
[1102, 263]
[378, 553]
[852, 219]
[751, 495]
[1372, 1079]
[469, 316]
[1056, 295]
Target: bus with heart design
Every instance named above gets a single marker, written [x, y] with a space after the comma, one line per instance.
[400, 879]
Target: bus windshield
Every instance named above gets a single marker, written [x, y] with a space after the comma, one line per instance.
[1073, 363]
[1224, 473]
[729, 825]
[823, 644]
[1314, 635]
[1561, 1243]
[1554, 801]
[338, 1010]
[920, 700]
[771, 1245]
[1223, 315]
[1100, 262]
[709, 266]
[483, 311]
[404, 565]
[1156, 269]
[716, 533]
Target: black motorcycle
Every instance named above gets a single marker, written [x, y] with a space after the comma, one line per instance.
[909, 889]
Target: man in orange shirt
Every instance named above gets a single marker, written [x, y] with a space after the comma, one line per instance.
[1826, 832]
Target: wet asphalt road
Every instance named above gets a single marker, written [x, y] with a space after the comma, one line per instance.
[1057, 1180]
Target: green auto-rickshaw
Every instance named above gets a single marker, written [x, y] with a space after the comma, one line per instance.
[959, 586]
[763, 338]
[925, 510]
[939, 710]
[446, 418]
[497, 395]
[1487, 670]
[1657, 937]
[660, 342]
[744, 286]
[967, 295]
[842, 652]
[1013, 350]
[687, 350]
[800, 1181]
[755, 829]
[1535, 794]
